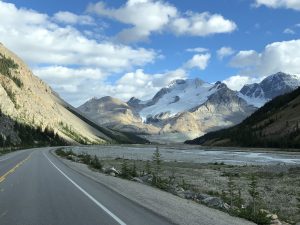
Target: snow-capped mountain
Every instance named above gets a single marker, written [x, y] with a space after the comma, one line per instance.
[272, 86]
[178, 96]
[189, 108]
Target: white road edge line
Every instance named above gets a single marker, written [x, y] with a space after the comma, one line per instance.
[88, 195]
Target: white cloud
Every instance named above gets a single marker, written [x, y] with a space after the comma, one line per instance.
[159, 16]
[198, 50]
[144, 86]
[58, 74]
[145, 16]
[36, 39]
[224, 52]
[289, 4]
[248, 58]
[75, 65]
[237, 82]
[288, 31]
[202, 24]
[71, 18]
[199, 61]
[278, 56]
[138, 84]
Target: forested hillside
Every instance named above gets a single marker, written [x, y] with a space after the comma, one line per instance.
[276, 124]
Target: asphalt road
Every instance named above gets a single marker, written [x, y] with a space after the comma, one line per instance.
[37, 189]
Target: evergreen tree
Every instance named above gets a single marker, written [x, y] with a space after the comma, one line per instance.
[231, 190]
[253, 193]
[156, 158]
[148, 167]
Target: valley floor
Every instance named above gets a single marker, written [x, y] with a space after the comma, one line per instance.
[208, 172]
[178, 210]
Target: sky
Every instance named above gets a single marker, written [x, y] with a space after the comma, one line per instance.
[87, 48]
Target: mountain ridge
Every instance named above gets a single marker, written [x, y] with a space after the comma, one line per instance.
[276, 124]
[190, 108]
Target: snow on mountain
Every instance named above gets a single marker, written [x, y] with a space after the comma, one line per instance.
[258, 94]
[189, 108]
[179, 96]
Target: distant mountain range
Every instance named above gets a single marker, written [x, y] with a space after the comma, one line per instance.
[183, 110]
[276, 124]
[186, 109]
[27, 104]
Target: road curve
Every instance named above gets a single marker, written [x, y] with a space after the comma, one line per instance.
[37, 189]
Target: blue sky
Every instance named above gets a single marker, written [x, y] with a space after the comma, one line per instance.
[135, 47]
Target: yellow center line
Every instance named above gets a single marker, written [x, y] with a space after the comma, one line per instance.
[2, 178]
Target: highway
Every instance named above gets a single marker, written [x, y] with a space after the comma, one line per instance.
[36, 188]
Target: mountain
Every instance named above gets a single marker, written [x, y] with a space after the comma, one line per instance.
[13, 133]
[115, 114]
[187, 109]
[272, 86]
[221, 107]
[276, 124]
[184, 109]
[27, 100]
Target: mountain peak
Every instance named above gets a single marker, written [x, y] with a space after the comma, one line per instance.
[181, 83]
[219, 85]
[272, 86]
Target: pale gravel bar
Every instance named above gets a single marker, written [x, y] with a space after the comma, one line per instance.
[179, 211]
[193, 154]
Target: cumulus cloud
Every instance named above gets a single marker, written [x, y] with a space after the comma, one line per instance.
[144, 86]
[225, 52]
[201, 24]
[138, 84]
[159, 16]
[278, 56]
[199, 61]
[155, 15]
[39, 41]
[62, 55]
[237, 82]
[71, 18]
[64, 74]
[289, 4]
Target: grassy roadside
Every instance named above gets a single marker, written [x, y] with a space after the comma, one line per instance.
[226, 187]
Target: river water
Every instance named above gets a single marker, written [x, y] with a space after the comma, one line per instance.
[194, 154]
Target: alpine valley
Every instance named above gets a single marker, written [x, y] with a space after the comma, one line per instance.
[187, 109]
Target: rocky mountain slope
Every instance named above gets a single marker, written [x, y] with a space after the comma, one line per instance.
[26, 99]
[15, 134]
[272, 86]
[276, 124]
[113, 113]
[186, 109]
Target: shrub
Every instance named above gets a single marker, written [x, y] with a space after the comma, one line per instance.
[86, 159]
[95, 163]
[259, 217]
[125, 172]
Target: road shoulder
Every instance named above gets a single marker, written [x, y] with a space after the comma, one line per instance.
[178, 210]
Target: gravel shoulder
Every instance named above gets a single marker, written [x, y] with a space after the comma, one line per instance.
[178, 210]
